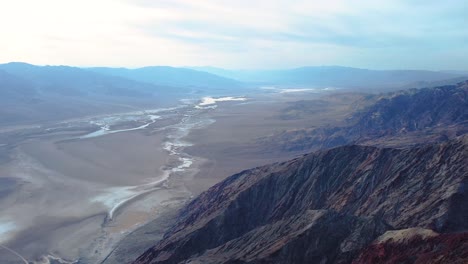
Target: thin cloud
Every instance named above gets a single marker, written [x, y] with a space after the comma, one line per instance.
[240, 34]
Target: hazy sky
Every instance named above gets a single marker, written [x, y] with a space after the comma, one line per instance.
[237, 33]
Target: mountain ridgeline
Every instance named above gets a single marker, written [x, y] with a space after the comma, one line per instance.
[170, 76]
[338, 76]
[31, 93]
[324, 207]
[400, 198]
[66, 80]
[72, 81]
[160, 80]
[395, 119]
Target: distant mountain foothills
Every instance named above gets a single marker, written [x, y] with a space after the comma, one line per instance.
[31, 94]
[72, 81]
[114, 82]
[351, 203]
[33, 81]
[340, 77]
[39, 93]
[170, 76]
[394, 119]
[15, 89]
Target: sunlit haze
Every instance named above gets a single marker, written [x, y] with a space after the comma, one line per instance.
[236, 34]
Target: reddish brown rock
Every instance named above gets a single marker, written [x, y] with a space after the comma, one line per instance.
[440, 249]
[422, 186]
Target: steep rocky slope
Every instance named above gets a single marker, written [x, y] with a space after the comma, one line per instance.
[395, 119]
[313, 236]
[414, 110]
[417, 248]
[323, 207]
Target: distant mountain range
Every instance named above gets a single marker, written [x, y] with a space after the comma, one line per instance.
[170, 76]
[38, 93]
[42, 90]
[158, 80]
[335, 76]
[72, 81]
[148, 81]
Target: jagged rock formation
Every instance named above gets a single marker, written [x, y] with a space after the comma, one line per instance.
[417, 248]
[415, 109]
[314, 236]
[321, 208]
[395, 119]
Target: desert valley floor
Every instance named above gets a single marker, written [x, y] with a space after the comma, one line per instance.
[75, 188]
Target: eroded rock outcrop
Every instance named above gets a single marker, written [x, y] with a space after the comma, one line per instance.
[341, 198]
[395, 119]
[423, 247]
[314, 236]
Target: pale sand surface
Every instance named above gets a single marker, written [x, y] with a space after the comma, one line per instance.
[220, 150]
[115, 159]
[65, 188]
[59, 192]
[231, 145]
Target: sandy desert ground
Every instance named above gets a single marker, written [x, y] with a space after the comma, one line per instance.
[71, 191]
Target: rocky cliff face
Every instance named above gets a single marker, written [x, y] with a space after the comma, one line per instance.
[324, 207]
[313, 236]
[414, 110]
[395, 119]
[421, 247]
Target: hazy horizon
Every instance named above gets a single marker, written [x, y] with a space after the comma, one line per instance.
[200, 67]
[426, 35]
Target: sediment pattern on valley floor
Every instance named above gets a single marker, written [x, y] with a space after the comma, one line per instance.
[104, 206]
